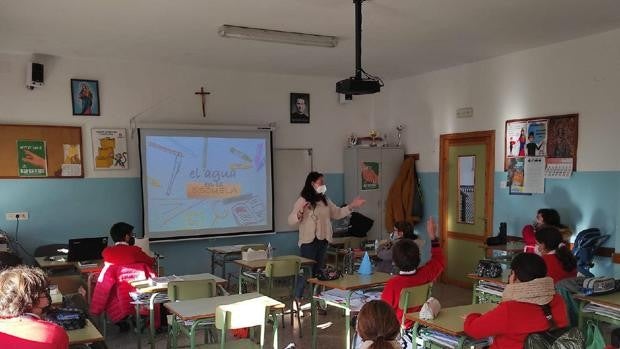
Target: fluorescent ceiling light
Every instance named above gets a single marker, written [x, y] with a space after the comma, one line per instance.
[233, 31]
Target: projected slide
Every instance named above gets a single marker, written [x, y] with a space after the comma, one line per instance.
[206, 183]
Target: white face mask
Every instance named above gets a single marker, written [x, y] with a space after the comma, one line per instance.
[322, 189]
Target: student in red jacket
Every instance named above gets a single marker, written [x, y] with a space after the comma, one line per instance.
[526, 300]
[23, 297]
[406, 256]
[124, 251]
[561, 264]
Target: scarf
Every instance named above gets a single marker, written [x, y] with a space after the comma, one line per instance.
[538, 291]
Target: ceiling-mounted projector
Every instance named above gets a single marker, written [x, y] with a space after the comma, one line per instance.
[362, 83]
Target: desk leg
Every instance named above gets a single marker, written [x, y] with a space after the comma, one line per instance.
[212, 263]
[138, 325]
[275, 331]
[174, 332]
[347, 322]
[313, 309]
[152, 320]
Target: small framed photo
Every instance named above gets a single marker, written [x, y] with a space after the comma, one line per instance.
[300, 108]
[85, 97]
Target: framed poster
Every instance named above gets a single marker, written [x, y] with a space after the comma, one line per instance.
[300, 108]
[85, 97]
[110, 148]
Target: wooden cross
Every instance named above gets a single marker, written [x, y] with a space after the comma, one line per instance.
[203, 96]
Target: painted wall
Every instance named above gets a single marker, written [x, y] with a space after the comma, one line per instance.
[62, 209]
[577, 76]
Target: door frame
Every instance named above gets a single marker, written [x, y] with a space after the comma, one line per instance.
[465, 138]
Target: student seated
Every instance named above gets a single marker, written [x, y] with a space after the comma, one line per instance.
[522, 309]
[24, 294]
[561, 263]
[402, 230]
[377, 326]
[545, 217]
[406, 255]
[124, 251]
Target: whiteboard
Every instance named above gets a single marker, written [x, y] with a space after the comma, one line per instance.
[290, 168]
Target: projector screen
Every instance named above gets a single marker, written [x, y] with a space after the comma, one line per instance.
[201, 183]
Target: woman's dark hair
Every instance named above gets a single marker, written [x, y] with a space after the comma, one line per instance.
[553, 241]
[407, 229]
[20, 289]
[120, 230]
[550, 217]
[406, 255]
[309, 193]
[528, 266]
[377, 322]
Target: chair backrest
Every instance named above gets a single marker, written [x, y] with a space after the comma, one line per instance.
[282, 267]
[49, 250]
[412, 296]
[240, 315]
[254, 247]
[191, 289]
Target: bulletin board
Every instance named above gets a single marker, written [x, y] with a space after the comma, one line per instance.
[552, 137]
[62, 149]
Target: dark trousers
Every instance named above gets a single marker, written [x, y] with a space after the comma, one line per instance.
[315, 250]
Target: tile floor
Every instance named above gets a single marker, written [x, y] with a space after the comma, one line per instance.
[330, 337]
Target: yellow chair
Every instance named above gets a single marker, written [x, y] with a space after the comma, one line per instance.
[241, 315]
[280, 277]
[412, 296]
[186, 290]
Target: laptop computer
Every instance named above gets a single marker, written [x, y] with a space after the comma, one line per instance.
[86, 249]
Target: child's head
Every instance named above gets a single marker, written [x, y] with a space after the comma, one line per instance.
[406, 255]
[377, 322]
[121, 232]
[527, 267]
[548, 239]
[404, 229]
[548, 216]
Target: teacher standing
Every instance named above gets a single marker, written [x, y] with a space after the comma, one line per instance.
[313, 213]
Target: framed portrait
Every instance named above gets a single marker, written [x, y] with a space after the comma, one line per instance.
[300, 108]
[85, 97]
[110, 148]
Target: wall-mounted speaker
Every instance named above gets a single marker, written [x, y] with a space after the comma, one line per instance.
[34, 75]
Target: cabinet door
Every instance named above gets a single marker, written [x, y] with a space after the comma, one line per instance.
[369, 187]
[391, 160]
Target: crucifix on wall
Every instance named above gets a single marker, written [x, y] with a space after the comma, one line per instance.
[203, 97]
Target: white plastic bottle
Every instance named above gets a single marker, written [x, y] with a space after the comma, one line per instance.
[269, 251]
[376, 245]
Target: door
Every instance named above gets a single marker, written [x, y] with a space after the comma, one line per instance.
[466, 171]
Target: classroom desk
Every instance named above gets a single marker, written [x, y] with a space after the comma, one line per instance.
[450, 320]
[58, 262]
[260, 264]
[88, 334]
[479, 295]
[203, 309]
[609, 300]
[348, 283]
[155, 292]
[220, 255]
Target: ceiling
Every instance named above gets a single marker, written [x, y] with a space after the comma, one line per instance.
[401, 37]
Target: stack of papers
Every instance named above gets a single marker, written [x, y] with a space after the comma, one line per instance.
[163, 281]
[491, 288]
[449, 341]
[87, 264]
[604, 310]
[144, 297]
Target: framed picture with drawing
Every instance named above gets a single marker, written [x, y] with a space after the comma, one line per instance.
[85, 97]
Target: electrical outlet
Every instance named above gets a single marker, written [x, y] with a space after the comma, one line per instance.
[12, 216]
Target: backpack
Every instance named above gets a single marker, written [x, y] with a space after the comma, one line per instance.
[586, 244]
[554, 338]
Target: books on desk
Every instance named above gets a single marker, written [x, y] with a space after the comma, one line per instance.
[144, 297]
[357, 300]
[491, 288]
[162, 281]
[87, 264]
[448, 341]
[601, 309]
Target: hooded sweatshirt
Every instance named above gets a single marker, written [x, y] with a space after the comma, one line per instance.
[519, 314]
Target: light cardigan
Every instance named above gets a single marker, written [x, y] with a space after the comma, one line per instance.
[316, 222]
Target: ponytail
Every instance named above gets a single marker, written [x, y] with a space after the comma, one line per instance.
[553, 241]
[566, 258]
